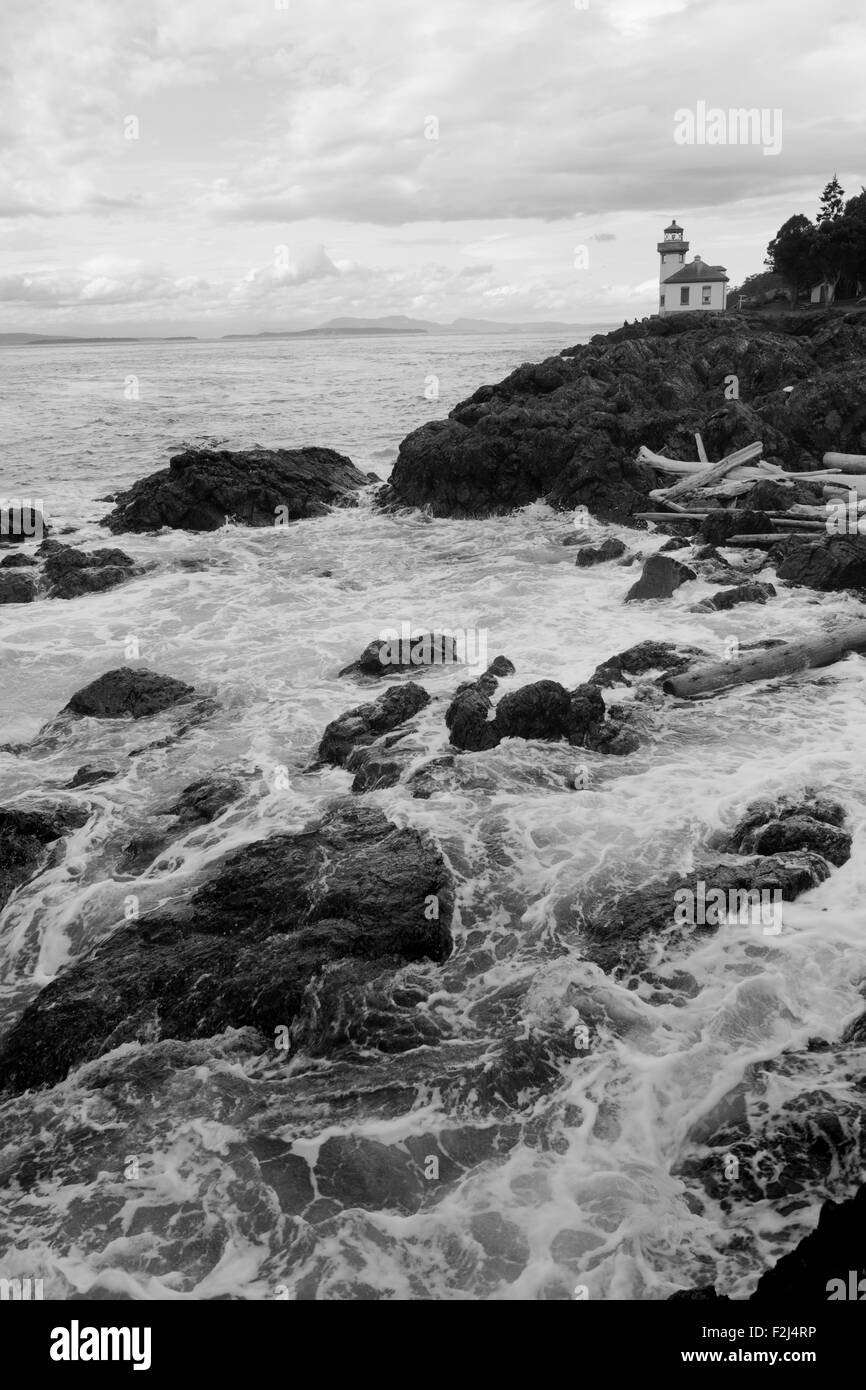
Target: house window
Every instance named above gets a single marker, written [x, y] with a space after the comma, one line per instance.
[682, 257]
[684, 295]
[661, 301]
[706, 291]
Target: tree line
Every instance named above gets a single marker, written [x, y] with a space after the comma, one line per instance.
[831, 249]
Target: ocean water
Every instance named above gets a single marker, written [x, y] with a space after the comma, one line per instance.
[140, 1175]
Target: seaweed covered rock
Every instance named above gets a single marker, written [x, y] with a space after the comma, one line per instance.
[245, 947]
[202, 489]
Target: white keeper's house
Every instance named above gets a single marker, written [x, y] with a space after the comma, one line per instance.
[686, 285]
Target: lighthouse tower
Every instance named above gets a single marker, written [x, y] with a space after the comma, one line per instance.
[688, 285]
[672, 252]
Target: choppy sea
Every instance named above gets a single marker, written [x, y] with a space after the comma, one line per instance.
[140, 1176]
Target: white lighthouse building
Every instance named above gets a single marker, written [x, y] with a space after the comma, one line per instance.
[685, 285]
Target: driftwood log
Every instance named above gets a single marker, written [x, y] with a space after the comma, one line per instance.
[849, 463]
[769, 662]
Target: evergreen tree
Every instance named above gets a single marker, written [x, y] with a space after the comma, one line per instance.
[832, 203]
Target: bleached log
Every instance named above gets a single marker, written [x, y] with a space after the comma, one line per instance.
[768, 663]
[851, 463]
[713, 474]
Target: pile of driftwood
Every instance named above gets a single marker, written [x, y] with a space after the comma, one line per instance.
[841, 476]
[701, 481]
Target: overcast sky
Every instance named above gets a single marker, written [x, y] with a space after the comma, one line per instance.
[284, 171]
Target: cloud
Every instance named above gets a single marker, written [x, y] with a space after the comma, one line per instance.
[504, 132]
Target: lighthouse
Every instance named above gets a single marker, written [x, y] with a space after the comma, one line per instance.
[687, 285]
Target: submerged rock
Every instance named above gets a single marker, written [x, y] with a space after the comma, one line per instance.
[738, 593]
[68, 573]
[128, 692]
[811, 822]
[660, 577]
[244, 949]
[202, 801]
[646, 656]
[92, 773]
[384, 655]
[619, 933]
[365, 723]
[826, 1266]
[718, 527]
[610, 549]
[25, 837]
[203, 489]
[828, 563]
[17, 588]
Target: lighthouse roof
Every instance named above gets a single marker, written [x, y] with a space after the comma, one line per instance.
[674, 227]
[696, 271]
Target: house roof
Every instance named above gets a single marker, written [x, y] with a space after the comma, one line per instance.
[696, 272]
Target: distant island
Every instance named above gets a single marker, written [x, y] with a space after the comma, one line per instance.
[400, 324]
[50, 339]
[389, 326]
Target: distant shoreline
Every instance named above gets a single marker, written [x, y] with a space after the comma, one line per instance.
[424, 329]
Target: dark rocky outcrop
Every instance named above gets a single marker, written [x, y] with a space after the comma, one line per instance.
[718, 527]
[811, 822]
[389, 656]
[25, 838]
[91, 774]
[822, 1268]
[610, 549]
[63, 572]
[568, 430]
[203, 488]
[128, 692]
[16, 587]
[660, 577]
[646, 656]
[836, 1247]
[783, 846]
[200, 802]
[365, 723]
[18, 560]
[730, 597]
[618, 933]
[244, 949]
[542, 710]
[829, 563]
[68, 573]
